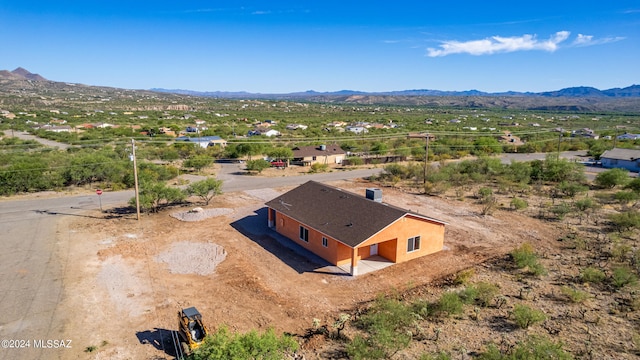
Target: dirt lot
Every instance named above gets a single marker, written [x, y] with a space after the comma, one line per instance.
[127, 280]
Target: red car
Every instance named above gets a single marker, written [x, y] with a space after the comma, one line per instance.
[278, 164]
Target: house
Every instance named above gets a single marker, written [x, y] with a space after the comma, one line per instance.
[621, 158]
[53, 128]
[627, 136]
[308, 155]
[357, 129]
[509, 138]
[586, 133]
[204, 141]
[264, 131]
[344, 228]
[296, 127]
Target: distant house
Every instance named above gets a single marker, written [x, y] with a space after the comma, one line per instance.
[358, 129]
[627, 136]
[264, 131]
[586, 132]
[509, 138]
[621, 158]
[296, 127]
[308, 155]
[345, 228]
[57, 129]
[204, 141]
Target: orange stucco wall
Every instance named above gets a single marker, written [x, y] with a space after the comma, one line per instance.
[334, 251]
[392, 241]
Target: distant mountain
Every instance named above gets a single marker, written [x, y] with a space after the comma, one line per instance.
[581, 91]
[31, 88]
[20, 74]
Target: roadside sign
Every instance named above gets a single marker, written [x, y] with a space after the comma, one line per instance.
[99, 192]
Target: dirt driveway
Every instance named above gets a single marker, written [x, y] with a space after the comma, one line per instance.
[126, 280]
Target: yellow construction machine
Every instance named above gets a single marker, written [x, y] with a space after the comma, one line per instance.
[191, 329]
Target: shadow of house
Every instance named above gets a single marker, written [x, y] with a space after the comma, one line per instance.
[255, 228]
[161, 339]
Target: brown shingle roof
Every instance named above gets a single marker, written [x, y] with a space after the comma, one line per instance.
[304, 151]
[342, 215]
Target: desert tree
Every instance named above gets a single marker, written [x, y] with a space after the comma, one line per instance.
[205, 189]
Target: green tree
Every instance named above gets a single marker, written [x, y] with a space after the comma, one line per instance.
[198, 162]
[487, 145]
[205, 189]
[612, 178]
[280, 153]
[258, 165]
[154, 195]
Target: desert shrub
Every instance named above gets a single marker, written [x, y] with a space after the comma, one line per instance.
[449, 304]
[592, 275]
[518, 204]
[386, 326]
[534, 347]
[525, 257]
[464, 276]
[612, 178]
[485, 293]
[561, 210]
[421, 308]
[526, 316]
[224, 345]
[484, 193]
[623, 276]
[574, 295]
[355, 160]
[625, 197]
[318, 167]
[571, 189]
[439, 356]
[468, 295]
[625, 220]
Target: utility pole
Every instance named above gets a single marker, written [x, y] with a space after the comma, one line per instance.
[135, 177]
[559, 137]
[426, 153]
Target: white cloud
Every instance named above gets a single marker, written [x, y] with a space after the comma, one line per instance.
[499, 44]
[589, 40]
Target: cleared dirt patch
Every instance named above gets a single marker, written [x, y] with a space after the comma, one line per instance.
[192, 258]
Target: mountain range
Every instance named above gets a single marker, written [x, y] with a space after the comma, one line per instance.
[582, 91]
[32, 88]
[20, 74]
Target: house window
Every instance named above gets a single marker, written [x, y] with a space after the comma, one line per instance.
[325, 242]
[304, 234]
[413, 244]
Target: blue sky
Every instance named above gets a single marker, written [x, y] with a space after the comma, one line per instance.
[288, 46]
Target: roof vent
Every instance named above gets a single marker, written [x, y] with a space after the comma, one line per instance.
[374, 194]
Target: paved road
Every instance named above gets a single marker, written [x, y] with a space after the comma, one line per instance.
[32, 267]
[26, 136]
